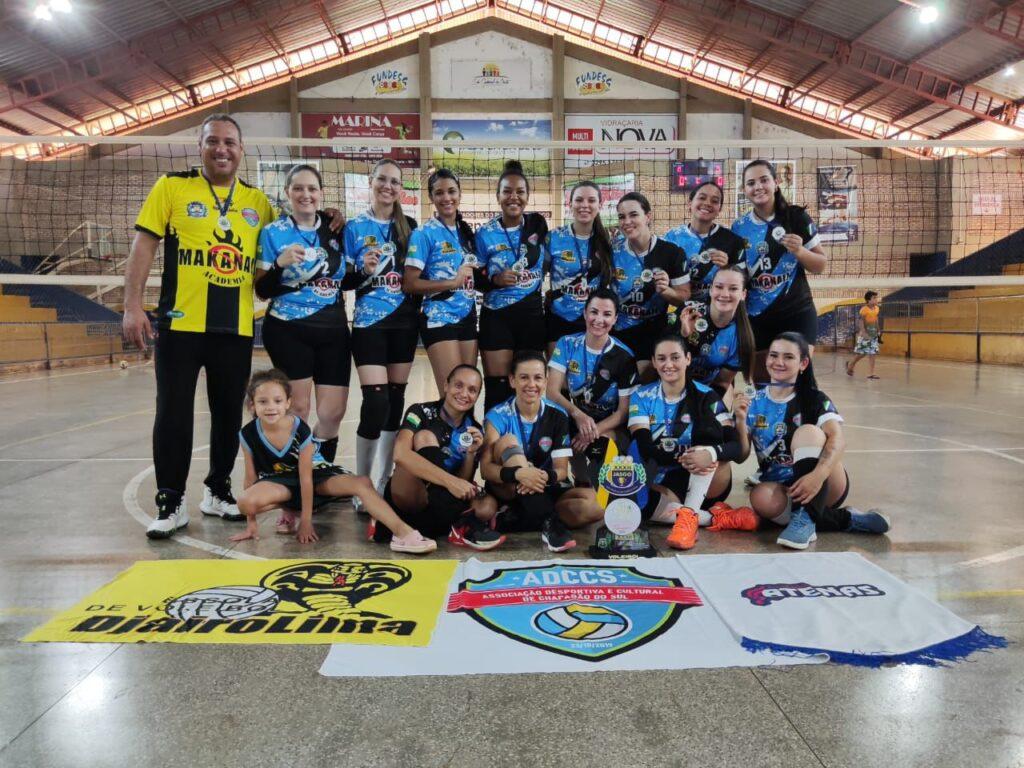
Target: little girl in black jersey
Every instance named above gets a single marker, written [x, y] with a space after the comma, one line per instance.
[283, 468]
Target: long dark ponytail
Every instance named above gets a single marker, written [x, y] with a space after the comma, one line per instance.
[780, 200]
[806, 384]
[602, 241]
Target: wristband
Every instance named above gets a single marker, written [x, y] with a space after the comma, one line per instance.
[508, 474]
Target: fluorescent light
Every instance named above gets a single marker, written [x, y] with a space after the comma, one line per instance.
[43, 13]
[928, 14]
[61, 6]
[1009, 71]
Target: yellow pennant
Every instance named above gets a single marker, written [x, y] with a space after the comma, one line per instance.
[310, 602]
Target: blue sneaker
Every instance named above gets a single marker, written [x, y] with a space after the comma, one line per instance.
[872, 521]
[800, 532]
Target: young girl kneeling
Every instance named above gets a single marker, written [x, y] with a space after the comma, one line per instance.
[282, 467]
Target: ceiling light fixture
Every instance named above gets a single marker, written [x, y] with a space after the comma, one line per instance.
[61, 6]
[42, 12]
[928, 14]
[1009, 71]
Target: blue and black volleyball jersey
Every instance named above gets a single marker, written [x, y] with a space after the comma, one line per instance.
[438, 251]
[698, 262]
[595, 379]
[640, 302]
[271, 462]
[544, 439]
[713, 349]
[520, 250]
[574, 271]
[432, 417]
[380, 301]
[778, 282]
[317, 299]
[696, 417]
[772, 423]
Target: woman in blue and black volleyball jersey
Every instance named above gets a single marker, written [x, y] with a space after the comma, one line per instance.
[511, 248]
[782, 247]
[579, 255]
[384, 328]
[302, 271]
[442, 266]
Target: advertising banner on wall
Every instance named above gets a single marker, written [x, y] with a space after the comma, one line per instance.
[635, 128]
[612, 189]
[400, 126]
[986, 204]
[786, 171]
[476, 161]
[491, 78]
[837, 204]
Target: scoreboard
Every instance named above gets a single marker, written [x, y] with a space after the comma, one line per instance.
[689, 174]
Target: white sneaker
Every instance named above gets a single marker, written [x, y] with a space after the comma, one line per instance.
[170, 517]
[218, 506]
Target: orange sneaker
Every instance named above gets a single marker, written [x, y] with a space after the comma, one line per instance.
[725, 518]
[684, 531]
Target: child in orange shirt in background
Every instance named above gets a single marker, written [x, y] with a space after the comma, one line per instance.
[868, 334]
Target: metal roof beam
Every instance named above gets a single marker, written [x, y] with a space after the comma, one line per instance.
[112, 60]
[826, 47]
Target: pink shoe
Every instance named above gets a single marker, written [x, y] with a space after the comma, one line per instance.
[414, 543]
[286, 524]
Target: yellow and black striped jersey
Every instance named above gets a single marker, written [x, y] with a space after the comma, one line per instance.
[206, 285]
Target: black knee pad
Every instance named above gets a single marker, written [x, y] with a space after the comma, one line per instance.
[496, 390]
[536, 507]
[396, 407]
[374, 411]
[677, 481]
[432, 453]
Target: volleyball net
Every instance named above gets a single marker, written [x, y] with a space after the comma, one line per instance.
[922, 222]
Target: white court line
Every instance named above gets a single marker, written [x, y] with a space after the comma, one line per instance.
[108, 369]
[923, 450]
[75, 428]
[998, 557]
[940, 404]
[958, 443]
[130, 497]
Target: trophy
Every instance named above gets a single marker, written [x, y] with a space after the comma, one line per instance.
[622, 487]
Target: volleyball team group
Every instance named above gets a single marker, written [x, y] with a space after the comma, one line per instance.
[591, 345]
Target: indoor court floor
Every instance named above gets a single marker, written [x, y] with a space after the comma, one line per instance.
[938, 446]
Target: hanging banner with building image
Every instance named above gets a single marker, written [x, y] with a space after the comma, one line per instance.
[837, 204]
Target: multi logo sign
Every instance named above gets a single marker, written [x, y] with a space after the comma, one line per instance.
[585, 612]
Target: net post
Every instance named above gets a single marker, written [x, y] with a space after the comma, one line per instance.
[46, 345]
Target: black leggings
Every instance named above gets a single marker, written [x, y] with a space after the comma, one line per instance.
[179, 355]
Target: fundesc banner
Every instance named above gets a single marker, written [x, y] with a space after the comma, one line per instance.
[394, 602]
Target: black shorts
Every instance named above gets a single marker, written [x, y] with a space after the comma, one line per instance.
[463, 330]
[305, 351]
[383, 346]
[556, 327]
[517, 327]
[291, 482]
[767, 327]
[640, 338]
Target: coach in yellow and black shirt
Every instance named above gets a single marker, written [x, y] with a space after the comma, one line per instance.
[210, 223]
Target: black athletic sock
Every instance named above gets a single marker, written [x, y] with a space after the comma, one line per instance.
[443, 509]
[537, 507]
[329, 449]
[496, 390]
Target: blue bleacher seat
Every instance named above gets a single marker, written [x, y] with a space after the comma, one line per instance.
[71, 307]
